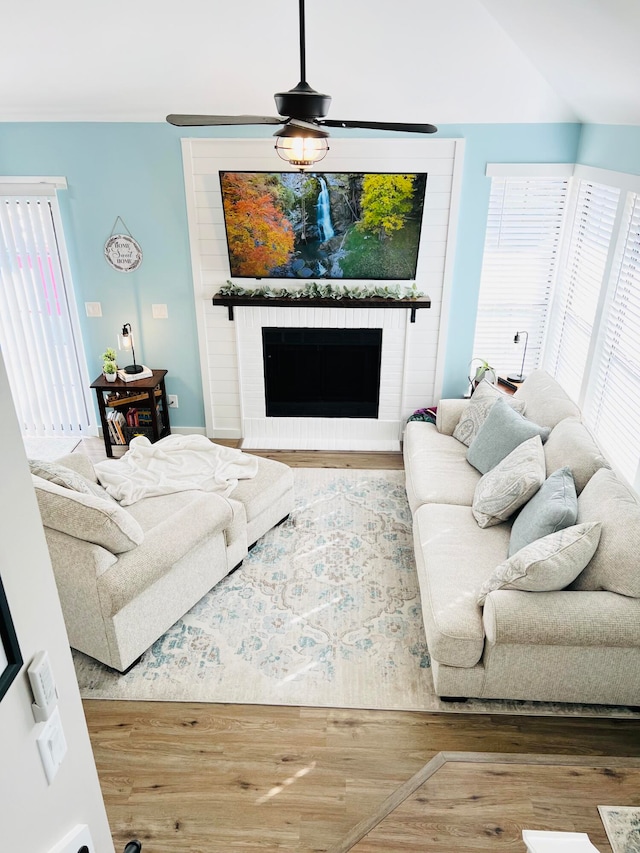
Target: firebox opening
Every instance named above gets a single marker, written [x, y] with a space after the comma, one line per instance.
[322, 373]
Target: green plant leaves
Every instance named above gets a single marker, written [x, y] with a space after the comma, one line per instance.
[313, 290]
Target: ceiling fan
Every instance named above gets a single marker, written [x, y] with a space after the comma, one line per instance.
[302, 140]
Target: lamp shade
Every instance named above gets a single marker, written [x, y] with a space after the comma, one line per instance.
[301, 146]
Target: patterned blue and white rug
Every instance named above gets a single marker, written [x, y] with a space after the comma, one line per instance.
[324, 612]
[39, 447]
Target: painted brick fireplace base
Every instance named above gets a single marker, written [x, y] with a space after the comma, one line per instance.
[259, 431]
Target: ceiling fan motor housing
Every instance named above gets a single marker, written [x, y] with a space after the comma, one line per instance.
[303, 102]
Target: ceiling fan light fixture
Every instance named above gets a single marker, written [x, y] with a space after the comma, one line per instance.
[301, 147]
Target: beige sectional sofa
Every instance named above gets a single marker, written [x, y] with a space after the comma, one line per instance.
[578, 644]
[125, 575]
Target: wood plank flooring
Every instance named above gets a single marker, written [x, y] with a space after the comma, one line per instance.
[460, 799]
[206, 778]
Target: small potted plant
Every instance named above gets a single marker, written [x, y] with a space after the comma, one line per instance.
[109, 366]
[110, 370]
[480, 371]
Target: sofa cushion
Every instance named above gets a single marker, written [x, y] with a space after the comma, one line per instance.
[616, 564]
[192, 526]
[87, 517]
[552, 508]
[453, 557]
[502, 431]
[547, 403]
[54, 472]
[571, 443]
[547, 564]
[436, 468]
[476, 412]
[510, 484]
[154, 511]
[258, 493]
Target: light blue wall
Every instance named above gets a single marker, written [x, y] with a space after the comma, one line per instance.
[135, 171]
[610, 146]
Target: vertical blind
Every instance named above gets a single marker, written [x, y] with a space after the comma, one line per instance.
[36, 333]
[614, 408]
[518, 269]
[579, 283]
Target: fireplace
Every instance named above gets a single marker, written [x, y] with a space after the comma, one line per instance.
[322, 373]
[379, 431]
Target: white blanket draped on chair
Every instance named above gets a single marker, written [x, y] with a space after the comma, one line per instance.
[176, 463]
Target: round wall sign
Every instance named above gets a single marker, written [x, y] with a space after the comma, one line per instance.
[123, 253]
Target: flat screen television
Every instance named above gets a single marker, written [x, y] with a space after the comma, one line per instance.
[335, 225]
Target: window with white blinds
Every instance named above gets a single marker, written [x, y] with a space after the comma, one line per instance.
[40, 343]
[579, 283]
[613, 410]
[519, 264]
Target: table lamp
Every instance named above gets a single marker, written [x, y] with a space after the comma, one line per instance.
[519, 377]
[125, 342]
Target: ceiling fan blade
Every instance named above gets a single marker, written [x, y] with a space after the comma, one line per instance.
[381, 125]
[215, 121]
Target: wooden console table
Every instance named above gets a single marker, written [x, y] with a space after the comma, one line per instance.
[139, 394]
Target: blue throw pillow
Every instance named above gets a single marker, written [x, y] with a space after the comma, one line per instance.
[503, 430]
[553, 507]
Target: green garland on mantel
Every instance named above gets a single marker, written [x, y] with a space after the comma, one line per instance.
[313, 290]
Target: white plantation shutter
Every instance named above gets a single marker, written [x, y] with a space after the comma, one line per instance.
[579, 284]
[518, 269]
[39, 344]
[613, 411]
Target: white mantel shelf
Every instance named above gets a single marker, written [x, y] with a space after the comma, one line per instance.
[313, 302]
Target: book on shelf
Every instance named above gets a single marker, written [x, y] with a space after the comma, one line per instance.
[146, 373]
[115, 422]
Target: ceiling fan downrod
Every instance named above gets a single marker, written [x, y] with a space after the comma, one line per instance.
[302, 101]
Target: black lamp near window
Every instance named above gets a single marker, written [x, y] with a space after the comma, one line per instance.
[519, 377]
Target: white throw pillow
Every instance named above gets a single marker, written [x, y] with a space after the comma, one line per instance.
[103, 522]
[547, 564]
[475, 414]
[59, 474]
[508, 486]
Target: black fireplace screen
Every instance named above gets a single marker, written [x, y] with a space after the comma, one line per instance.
[322, 373]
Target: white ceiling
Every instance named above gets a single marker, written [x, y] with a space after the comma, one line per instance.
[441, 61]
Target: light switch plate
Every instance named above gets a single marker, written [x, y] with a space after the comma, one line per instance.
[93, 309]
[159, 312]
[79, 839]
[52, 745]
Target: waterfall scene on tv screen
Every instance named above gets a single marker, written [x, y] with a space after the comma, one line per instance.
[323, 225]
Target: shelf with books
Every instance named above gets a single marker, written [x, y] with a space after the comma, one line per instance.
[132, 408]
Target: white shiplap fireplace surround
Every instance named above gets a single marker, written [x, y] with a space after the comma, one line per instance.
[231, 350]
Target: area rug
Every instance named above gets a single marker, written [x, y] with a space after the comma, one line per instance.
[39, 447]
[324, 612]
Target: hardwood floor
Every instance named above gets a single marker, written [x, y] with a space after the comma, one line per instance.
[460, 797]
[205, 778]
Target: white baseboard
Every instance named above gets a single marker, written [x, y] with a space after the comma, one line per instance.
[227, 433]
